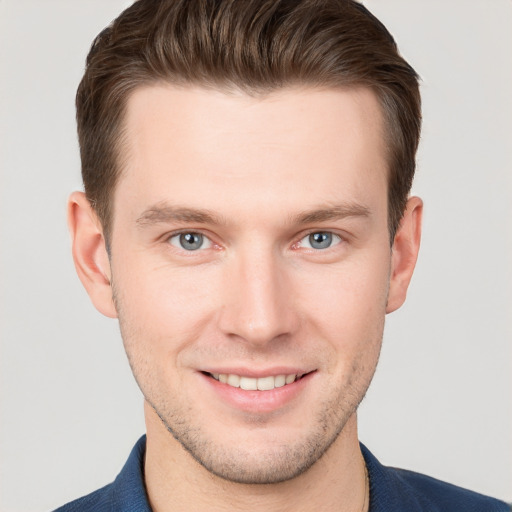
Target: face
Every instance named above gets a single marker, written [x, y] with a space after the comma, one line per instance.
[251, 262]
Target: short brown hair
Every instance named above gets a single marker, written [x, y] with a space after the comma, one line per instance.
[256, 46]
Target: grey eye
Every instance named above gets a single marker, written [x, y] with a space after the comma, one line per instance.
[190, 241]
[320, 240]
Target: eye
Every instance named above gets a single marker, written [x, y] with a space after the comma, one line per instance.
[190, 241]
[320, 240]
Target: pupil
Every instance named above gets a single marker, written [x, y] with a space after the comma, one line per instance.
[191, 241]
[320, 240]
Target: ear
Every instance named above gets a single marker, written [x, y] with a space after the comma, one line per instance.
[404, 253]
[90, 253]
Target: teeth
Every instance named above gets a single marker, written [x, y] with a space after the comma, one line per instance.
[266, 383]
[279, 381]
[252, 384]
[234, 380]
[248, 383]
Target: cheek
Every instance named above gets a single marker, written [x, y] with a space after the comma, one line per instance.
[171, 307]
[161, 315]
[347, 303]
[160, 303]
[351, 289]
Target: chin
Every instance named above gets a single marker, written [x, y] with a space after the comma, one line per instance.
[261, 453]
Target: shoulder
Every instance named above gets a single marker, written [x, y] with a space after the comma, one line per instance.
[400, 490]
[431, 492]
[126, 493]
[97, 501]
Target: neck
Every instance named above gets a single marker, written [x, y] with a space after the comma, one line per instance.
[175, 481]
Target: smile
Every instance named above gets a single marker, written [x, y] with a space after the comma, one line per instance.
[255, 384]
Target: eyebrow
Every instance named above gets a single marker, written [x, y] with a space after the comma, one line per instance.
[162, 213]
[335, 212]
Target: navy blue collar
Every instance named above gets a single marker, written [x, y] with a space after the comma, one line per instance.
[391, 490]
[128, 490]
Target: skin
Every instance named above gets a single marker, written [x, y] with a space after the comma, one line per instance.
[256, 177]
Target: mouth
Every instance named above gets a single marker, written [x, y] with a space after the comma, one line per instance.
[266, 383]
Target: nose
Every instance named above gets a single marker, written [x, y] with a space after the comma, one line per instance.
[257, 299]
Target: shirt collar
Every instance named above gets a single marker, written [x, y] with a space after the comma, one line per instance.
[387, 490]
[129, 491]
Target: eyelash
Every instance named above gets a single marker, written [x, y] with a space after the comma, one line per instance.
[335, 240]
[178, 235]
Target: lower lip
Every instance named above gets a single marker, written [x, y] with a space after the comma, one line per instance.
[258, 401]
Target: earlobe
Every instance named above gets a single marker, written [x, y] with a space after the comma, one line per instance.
[405, 253]
[90, 253]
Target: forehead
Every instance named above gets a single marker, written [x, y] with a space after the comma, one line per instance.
[227, 147]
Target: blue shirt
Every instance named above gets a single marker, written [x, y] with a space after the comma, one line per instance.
[391, 490]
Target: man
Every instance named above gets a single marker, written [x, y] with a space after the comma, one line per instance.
[246, 216]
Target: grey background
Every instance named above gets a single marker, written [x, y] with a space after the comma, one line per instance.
[441, 399]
